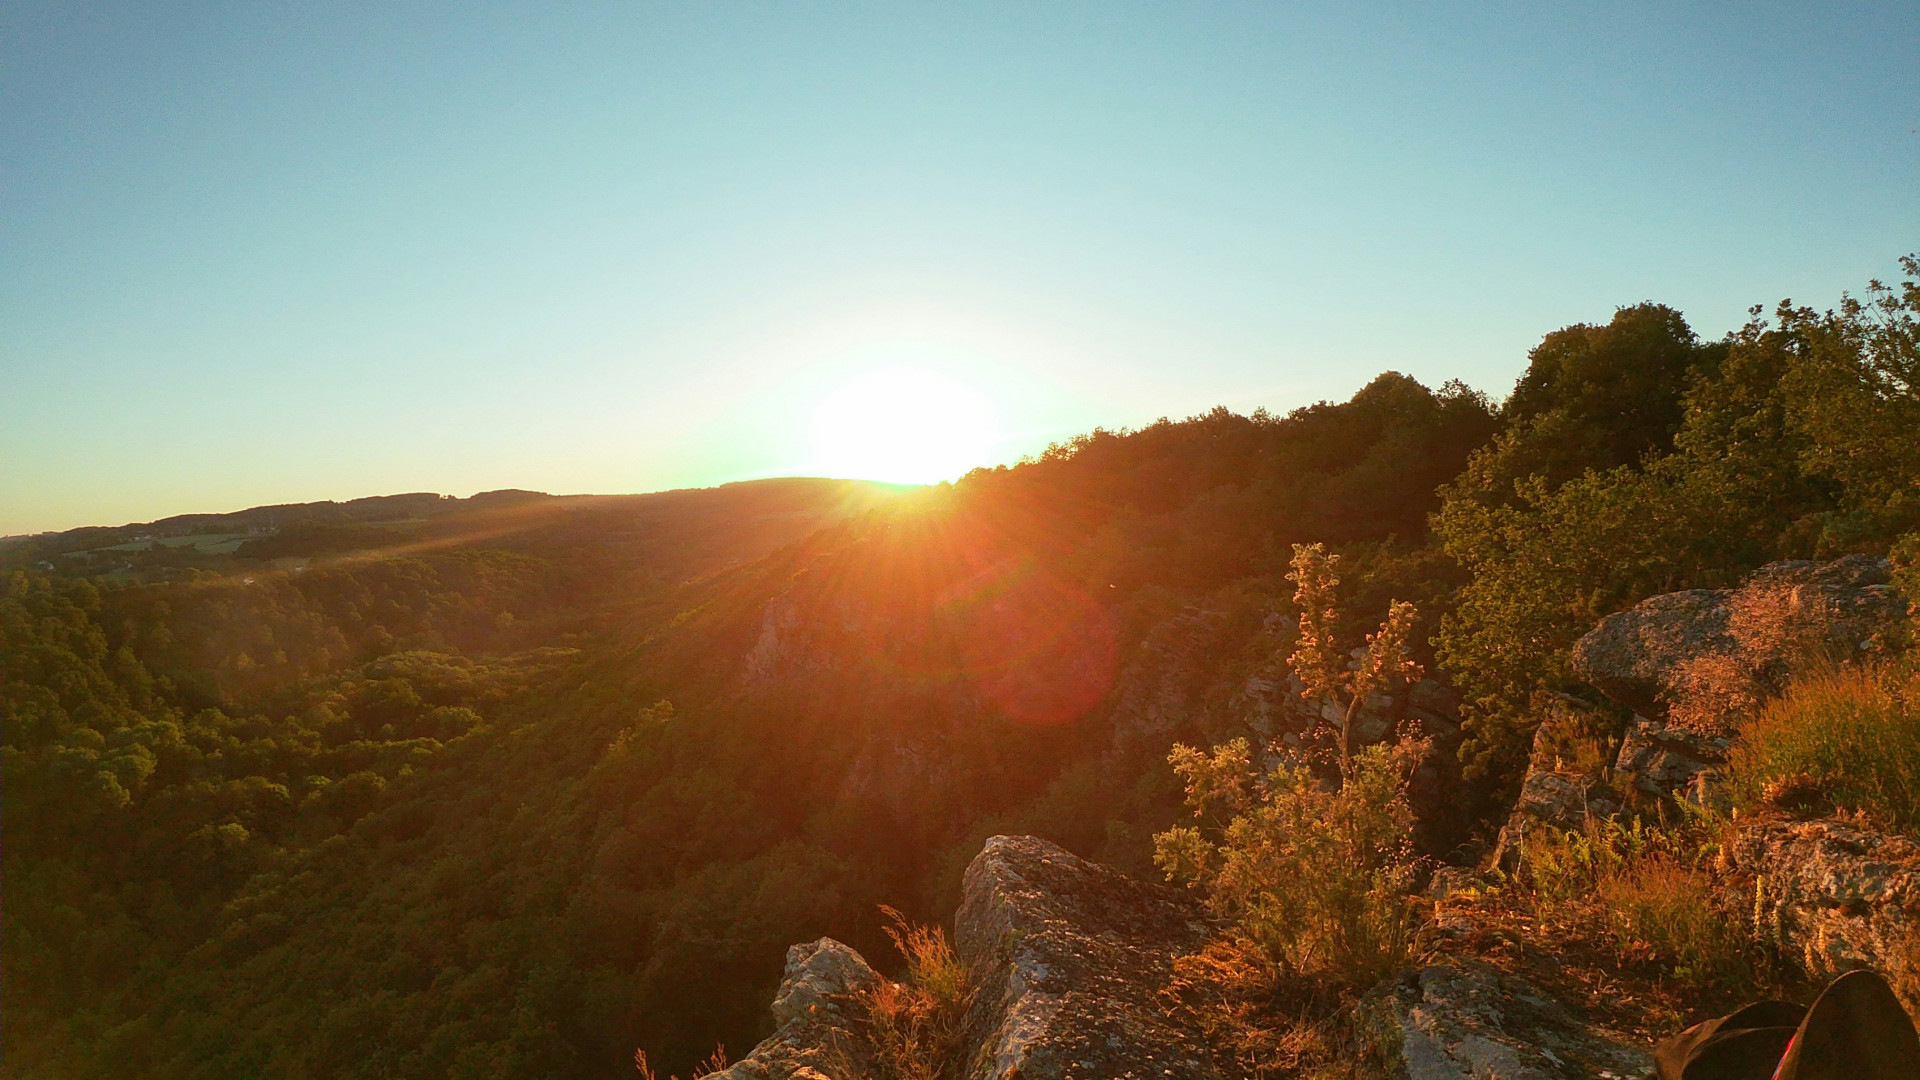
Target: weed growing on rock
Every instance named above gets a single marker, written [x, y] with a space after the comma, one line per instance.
[916, 1025]
[1317, 658]
[1850, 736]
[1657, 895]
[715, 1062]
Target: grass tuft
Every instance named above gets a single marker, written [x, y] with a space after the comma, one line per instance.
[1851, 736]
[916, 1025]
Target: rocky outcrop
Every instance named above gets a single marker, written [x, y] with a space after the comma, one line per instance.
[1690, 664]
[1064, 960]
[1564, 800]
[1639, 657]
[1633, 655]
[1666, 760]
[820, 1020]
[1837, 894]
[1065, 957]
[1565, 786]
[1466, 1020]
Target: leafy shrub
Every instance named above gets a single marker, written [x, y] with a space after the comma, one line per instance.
[1852, 733]
[1318, 877]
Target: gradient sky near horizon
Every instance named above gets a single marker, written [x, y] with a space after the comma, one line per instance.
[277, 252]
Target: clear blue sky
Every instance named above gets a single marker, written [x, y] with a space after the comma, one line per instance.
[272, 252]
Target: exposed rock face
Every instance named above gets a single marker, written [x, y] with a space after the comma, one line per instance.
[1065, 957]
[1663, 759]
[1840, 895]
[1559, 799]
[1689, 663]
[1637, 656]
[1632, 655]
[1556, 792]
[819, 1016]
[1468, 1021]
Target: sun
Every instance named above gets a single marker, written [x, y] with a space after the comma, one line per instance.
[902, 426]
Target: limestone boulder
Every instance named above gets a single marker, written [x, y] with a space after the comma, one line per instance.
[1837, 893]
[1466, 1020]
[1838, 610]
[821, 1032]
[1065, 957]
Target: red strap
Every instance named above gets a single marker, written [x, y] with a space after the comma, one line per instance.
[1784, 1054]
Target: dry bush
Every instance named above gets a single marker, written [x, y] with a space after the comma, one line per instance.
[1851, 735]
[916, 1025]
[1781, 631]
[1784, 624]
[1712, 694]
[1319, 877]
[1263, 1024]
[1664, 908]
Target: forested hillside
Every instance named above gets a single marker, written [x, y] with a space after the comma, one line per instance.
[511, 789]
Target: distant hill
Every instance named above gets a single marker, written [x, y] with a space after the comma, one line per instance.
[756, 514]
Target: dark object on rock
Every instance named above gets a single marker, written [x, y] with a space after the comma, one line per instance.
[1799, 795]
[1855, 1030]
[1745, 1044]
[1468, 1021]
[1065, 957]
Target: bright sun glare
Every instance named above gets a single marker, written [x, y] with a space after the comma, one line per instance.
[902, 426]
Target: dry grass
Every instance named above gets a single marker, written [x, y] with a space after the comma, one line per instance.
[1851, 737]
[1678, 915]
[715, 1062]
[1264, 1024]
[916, 1025]
[1654, 891]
